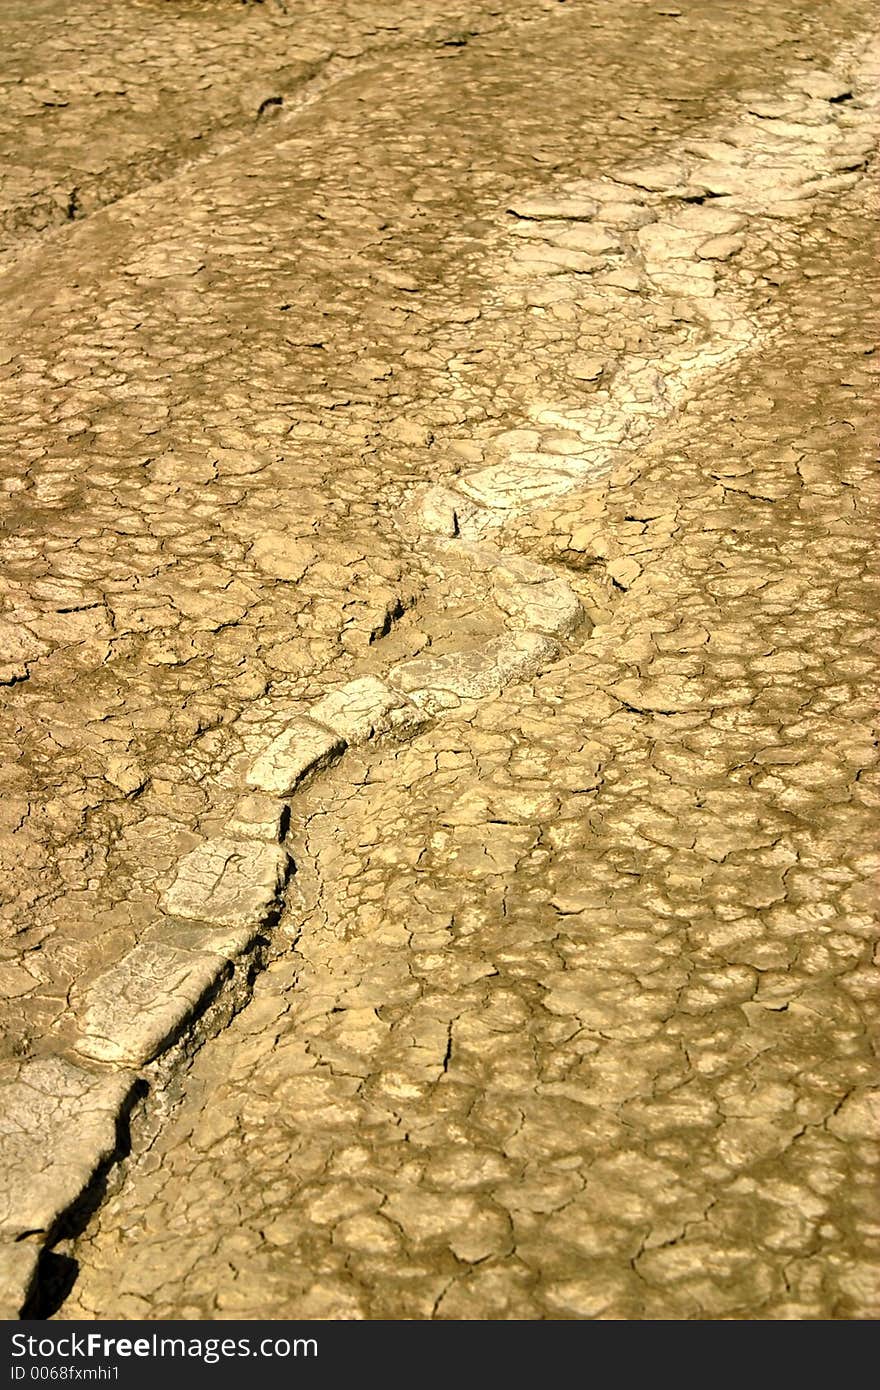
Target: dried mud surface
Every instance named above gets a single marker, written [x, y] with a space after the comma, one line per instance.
[439, 738]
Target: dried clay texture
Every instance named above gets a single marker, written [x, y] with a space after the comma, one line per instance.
[436, 610]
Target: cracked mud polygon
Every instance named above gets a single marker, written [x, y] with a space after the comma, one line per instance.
[438, 834]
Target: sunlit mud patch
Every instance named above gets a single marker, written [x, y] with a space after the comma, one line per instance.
[636, 272]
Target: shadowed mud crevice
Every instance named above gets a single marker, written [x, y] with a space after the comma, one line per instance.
[56, 1269]
[92, 196]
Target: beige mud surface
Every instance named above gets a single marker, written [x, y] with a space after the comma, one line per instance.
[438, 607]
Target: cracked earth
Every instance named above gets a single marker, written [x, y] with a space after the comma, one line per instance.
[439, 750]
